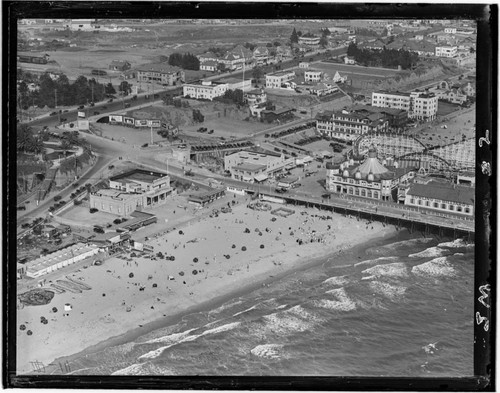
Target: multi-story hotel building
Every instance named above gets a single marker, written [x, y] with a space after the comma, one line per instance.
[162, 73]
[130, 190]
[311, 41]
[349, 125]
[206, 89]
[419, 105]
[371, 179]
[274, 81]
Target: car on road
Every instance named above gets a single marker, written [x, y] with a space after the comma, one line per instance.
[53, 113]
[110, 100]
[21, 208]
[127, 105]
[96, 113]
[104, 107]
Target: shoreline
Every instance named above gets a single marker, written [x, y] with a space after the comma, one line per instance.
[219, 289]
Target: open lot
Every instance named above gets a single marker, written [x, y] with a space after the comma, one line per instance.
[354, 70]
[81, 216]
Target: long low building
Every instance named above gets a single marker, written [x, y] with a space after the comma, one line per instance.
[60, 259]
[442, 197]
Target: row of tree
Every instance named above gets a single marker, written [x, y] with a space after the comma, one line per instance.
[391, 58]
[185, 61]
[60, 92]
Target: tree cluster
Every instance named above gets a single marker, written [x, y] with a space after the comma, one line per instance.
[218, 51]
[391, 58]
[61, 92]
[185, 61]
[232, 97]
[198, 116]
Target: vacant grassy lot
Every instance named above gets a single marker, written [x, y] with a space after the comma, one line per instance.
[444, 108]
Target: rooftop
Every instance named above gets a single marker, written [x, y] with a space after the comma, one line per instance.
[138, 175]
[444, 192]
[246, 166]
[158, 67]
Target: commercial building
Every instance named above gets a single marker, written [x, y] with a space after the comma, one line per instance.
[322, 89]
[278, 115]
[419, 105]
[251, 166]
[59, 259]
[237, 83]
[446, 51]
[206, 89]
[131, 190]
[160, 72]
[275, 80]
[203, 198]
[371, 179]
[349, 124]
[442, 197]
[312, 76]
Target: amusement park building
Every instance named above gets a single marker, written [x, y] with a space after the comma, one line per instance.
[349, 125]
[131, 190]
[419, 105]
[444, 197]
[371, 179]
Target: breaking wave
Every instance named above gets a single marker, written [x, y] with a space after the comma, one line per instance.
[390, 270]
[268, 351]
[342, 302]
[438, 267]
[430, 252]
[392, 292]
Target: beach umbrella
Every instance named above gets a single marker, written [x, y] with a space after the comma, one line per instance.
[227, 256]
[131, 275]
[243, 248]
[261, 246]
[195, 260]
[195, 272]
[155, 285]
[22, 327]
[181, 233]
[233, 246]
[181, 273]
[260, 233]
[29, 332]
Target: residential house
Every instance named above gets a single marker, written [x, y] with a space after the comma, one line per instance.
[312, 76]
[254, 97]
[119, 65]
[304, 64]
[349, 60]
[261, 55]
[209, 56]
[277, 79]
[242, 52]
[446, 51]
[208, 65]
[322, 89]
[232, 61]
[309, 40]
[278, 115]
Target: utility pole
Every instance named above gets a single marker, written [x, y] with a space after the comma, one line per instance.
[151, 134]
[55, 104]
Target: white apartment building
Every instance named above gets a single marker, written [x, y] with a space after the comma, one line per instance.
[274, 81]
[205, 89]
[419, 105]
[446, 51]
[309, 41]
[312, 76]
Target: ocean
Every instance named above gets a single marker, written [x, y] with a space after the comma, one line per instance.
[398, 308]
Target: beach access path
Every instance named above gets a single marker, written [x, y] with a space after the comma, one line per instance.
[128, 293]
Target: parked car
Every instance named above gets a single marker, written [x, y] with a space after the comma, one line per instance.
[110, 100]
[21, 208]
[96, 113]
[98, 229]
[81, 107]
[53, 113]
[127, 105]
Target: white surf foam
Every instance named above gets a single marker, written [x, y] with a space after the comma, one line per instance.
[430, 252]
[375, 261]
[244, 311]
[134, 369]
[284, 324]
[456, 244]
[157, 352]
[301, 312]
[392, 292]
[336, 281]
[342, 302]
[397, 269]
[437, 267]
[268, 351]
[171, 338]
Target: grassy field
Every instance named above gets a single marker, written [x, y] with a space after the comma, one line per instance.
[354, 70]
[444, 108]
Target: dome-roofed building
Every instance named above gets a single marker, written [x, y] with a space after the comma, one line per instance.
[369, 179]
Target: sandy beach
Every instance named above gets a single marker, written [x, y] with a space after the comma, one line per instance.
[214, 256]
